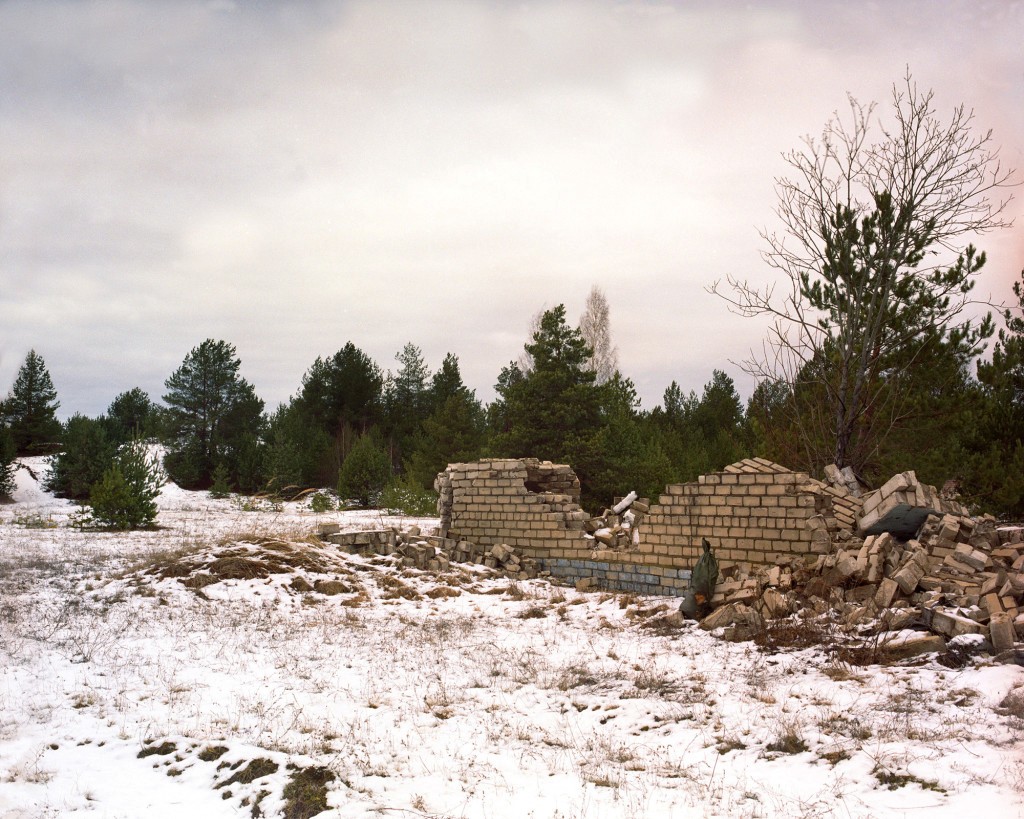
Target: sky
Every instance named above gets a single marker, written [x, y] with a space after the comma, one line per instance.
[292, 176]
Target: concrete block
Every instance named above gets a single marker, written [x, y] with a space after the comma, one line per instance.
[1001, 632]
[915, 646]
[951, 624]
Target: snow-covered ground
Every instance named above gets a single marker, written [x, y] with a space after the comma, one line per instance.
[167, 674]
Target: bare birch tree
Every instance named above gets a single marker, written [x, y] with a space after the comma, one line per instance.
[874, 270]
[525, 360]
[595, 326]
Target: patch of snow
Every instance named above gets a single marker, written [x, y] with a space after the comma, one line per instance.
[437, 695]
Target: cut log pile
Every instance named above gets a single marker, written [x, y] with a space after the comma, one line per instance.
[430, 552]
[917, 560]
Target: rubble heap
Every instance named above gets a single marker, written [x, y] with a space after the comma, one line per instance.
[430, 552]
[901, 506]
[919, 561]
[845, 479]
[618, 527]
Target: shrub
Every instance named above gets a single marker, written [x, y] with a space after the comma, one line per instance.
[125, 497]
[365, 472]
[404, 496]
[321, 502]
[86, 453]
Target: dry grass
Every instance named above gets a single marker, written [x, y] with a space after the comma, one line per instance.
[804, 630]
[789, 741]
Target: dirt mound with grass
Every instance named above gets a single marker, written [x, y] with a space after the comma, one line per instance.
[303, 566]
[307, 568]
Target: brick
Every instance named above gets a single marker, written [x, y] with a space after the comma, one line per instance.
[992, 604]
[886, 593]
[909, 576]
[913, 646]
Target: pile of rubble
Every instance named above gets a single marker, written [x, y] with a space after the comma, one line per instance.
[901, 506]
[915, 560]
[618, 527]
[430, 552]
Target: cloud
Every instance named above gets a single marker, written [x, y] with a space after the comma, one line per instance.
[290, 177]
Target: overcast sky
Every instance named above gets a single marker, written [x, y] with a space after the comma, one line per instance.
[291, 176]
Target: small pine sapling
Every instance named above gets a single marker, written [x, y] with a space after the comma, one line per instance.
[125, 497]
[321, 502]
[220, 487]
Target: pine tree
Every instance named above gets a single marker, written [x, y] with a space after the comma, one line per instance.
[125, 497]
[342, 396]
[868, 216]
[771, 430]
[213, 416]
[628, 455]
[996, 476]
[86, 453]
[454, 431]
[1003, 377]
[446, 383]
[701, 435]
[406, 400]
[554, 412]
[131, 415]
[31, 408]
[220, 487]
[299, 451]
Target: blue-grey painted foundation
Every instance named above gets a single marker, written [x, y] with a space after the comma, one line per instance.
[622, 577]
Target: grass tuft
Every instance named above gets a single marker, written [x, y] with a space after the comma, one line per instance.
[305, 795]
[256, 769]
[163, 749]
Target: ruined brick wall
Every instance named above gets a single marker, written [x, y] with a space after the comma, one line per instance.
[525, 503]
[753, 511]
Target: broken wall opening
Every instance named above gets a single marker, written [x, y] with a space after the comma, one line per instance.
[546, 478]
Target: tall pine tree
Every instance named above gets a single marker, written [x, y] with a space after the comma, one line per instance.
[554, 412]
[454, 431]
[213, 417]
[342, 396]
[406, 401]
[30, 410]
[997, 475]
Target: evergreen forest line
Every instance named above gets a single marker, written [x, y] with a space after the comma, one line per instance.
[382, 436]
